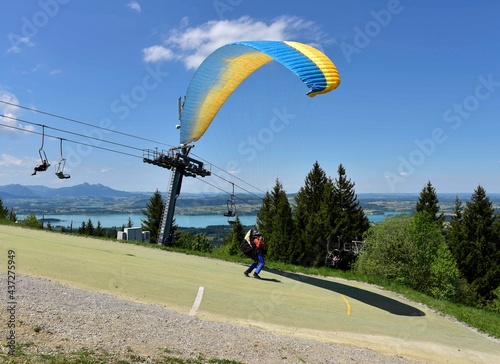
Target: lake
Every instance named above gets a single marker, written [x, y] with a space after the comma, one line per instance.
[117, 220]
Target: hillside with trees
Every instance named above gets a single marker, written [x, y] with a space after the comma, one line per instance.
[456, 258]
[325, 210]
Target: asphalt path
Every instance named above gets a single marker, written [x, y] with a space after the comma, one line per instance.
[320, 308]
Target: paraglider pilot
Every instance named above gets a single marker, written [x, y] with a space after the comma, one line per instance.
[257, 241]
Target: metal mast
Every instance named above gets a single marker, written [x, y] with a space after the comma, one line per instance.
[177, 160]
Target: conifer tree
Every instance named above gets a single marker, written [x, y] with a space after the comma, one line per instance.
[82, 230]
[99, 231]
[153, 213]
[348, 219]
[311, 231]
[233, 241]
[455, 234]
[275, 223]
[428, 202]
[264, 215]
[478, 264]
[90, 228]
[3, 211]
[12, 215]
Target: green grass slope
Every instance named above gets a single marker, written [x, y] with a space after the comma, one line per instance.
[322, 308]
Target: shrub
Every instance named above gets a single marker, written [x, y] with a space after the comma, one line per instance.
[411, 250]
[200, 243]
[494, 306]
[32, 222]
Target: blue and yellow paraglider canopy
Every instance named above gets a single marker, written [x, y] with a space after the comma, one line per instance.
[227, 67]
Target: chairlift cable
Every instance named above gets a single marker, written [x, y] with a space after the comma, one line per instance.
[132, 155]
[233, 176]
[70, 132]
[71, 141]
[81, 122]
[109, 130]
[220, 189]
[241, 188]
[112, 150]
[109, 142]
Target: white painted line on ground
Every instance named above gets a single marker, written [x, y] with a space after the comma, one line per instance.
[197, 301]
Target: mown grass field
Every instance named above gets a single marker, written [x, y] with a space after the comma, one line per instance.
[325, 308]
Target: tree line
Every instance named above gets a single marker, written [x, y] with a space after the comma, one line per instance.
[455, 258]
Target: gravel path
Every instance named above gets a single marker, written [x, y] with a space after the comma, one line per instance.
[69, 319]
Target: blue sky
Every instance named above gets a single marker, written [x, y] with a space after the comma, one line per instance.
[418, 101]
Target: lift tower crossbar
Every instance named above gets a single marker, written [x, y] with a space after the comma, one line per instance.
[177, 160]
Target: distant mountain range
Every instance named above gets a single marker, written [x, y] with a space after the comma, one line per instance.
[97, 198]
[82, 190]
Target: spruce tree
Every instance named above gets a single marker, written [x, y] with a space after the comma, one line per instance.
[3, 211]
[233, 241]
[428, 202]
[82, 230]
[275, 223]
[153, 213]
[264, 218]
[478, 265]
[311, 231]
[455, 235]
[348, 219]
[99, 231]
[12, 215]
[90, 228]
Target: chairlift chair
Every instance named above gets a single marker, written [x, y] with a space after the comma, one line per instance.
[231, 209]
[44, 161]
[60, 166]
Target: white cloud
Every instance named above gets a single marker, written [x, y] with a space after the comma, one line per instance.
[9, 160]
[192, 45]
[134, 5]
[55, 72]
[157, 53]
[16, 42]
[9, 98]
[10, 113]
[36, 68]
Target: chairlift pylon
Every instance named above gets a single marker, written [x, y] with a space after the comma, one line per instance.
[44, 162]
[231, 209]
[60, 166]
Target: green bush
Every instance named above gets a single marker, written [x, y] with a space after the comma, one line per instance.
[411, 250]
[387, 250]
[198, 242]
[32, 222]
[494, 306]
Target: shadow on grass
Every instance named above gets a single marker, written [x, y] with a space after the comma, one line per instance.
[370, 298]
[269, 280]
